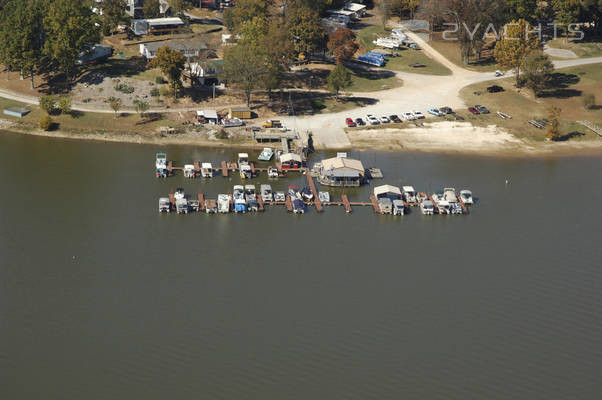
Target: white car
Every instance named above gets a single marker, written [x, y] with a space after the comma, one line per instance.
[408, 116]
[418, 114]
[371, 119]
[384, 119]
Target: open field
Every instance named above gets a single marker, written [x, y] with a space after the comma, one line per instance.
[451, 50]
[569, 86]
[581, 49]
[407, 58]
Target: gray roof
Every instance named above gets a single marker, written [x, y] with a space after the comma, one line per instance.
[180, 45]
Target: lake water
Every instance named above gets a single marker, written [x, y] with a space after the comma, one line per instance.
[101, 297]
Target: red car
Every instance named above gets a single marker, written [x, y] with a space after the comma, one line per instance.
[350, 123]
[474, 110]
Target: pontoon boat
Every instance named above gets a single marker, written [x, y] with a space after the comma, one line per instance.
[240, 204]
[223, 203]
[409, 194]
[266, 154]
[189, 171]
[272, 172]
[161, 165]
[266, 193]
[206, 170]
[279, 196]
[182, 206]
[164, 204]
[427, 207]
[398, 207]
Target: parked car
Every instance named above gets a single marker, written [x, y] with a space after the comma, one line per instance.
[446, 110]
[350, 123]
[482, 109]
[372, 119]
[495, 89]
[498, 73]
[384, 119]
[413, 46]
[408, 116]
[394, 118]
[418, 114]
[360, 122]
[435, 112]
[473, 111]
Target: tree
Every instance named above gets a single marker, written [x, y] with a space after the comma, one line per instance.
[566, 12]
[515, 45]
[113, 12]
[385, 11]
[171, 63]
[22, 35]
[339, 78]
[516, 9]
[48, 103]
[141, 107]
[304, 28]
[245, 10]
[45, 123]
[589, 101]
[246, 65]
[115, 104]
[64, 104]
[537, 71]
[179, 6]
[71, 27]
[151, 9]
[254, 30]
[553, 129]
[342, 45]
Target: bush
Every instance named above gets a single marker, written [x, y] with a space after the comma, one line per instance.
[124, 88]
[159, 80]
[589, 101]
[164, 91]
[45, 122]
[221, 134]
[64, 105]
[154, 92]
[48, 103]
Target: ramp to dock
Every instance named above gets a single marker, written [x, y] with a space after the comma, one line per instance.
[201, 198]
[374, 203]
[260, 202]
[312, 186]
[346, 203]
[289, 202]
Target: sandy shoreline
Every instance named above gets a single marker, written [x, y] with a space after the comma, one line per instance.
[439, 137]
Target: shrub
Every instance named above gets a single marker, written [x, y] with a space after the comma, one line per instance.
[589, 101]
[164, 91]
[124, 88]
[159, 80]
[154, 92]
[221, 134]
[48, 103]
[64, 104]
[45, 122]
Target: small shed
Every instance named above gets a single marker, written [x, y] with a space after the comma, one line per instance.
[18, 112]
[209, 116]
[240, 113]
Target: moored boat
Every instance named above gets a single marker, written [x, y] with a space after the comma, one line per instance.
[427, 208]
[161, 165]
[398, 207]
[409, 195]
[223, 203]
[164, 204]
[240, 204]
[182, 206]
[266, 193]
[189, 171]
[298, 206]
[210, 206]
[273, 172]
[251, 196]
[295, 192]
[179, 194]
[194, 205]
[279, 196]
[466, 196]
[206, 170]
[307, 194]
[266, 154]
[324, 197]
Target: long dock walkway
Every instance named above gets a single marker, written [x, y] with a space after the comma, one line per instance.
[312, 186]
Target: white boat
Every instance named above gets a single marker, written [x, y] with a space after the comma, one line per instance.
[206, 170]
[266, 193]
[243, 158]
[266, 154]
[164, 204]
[182, 206]
[179, 194]
[245, 171]
[223, 203]
[251, 196]
[272, 172]
[232, 122]
[189, 171]
[427, 208]
[449, 195]
[466, 196]
[280, 196]
[444, 207]
[324, 197]
[161, 165]
[398, 207]
[240, 204]
[409, 194]
[210, 206]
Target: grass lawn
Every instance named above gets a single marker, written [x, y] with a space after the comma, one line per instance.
[571, 84]
[451, 50]
[342, 104]
[366, 82]
[582, 49]
[408, 56]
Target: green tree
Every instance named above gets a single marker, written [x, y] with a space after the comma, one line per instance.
[180, 6]
[113, 12]
[152, 9]
[246, 65]
[342, 45]
[171, 63]
[115, 104]
[537, 71]
[516, 9]
[45, 123]
[553, 128]
[567, 12]
[304, 28]
[245, 10]
[71, 27]
[339, 78]
[254, 30]
[64, 104]
[48, 103]
[516, 43]
[141, 107]
[22, 35]
[589, 101]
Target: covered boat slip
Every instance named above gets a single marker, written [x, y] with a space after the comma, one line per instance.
[340, 178]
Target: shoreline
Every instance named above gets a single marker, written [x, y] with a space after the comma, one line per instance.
[398, 140]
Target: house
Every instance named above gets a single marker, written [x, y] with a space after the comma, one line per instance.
[207, 116]
[189, 48]
[341, 172]
[386, 195]
[290, 160]
[358, 10]
[157, 26]
[240, 113]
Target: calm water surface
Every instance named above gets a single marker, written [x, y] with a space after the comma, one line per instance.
[103, 298]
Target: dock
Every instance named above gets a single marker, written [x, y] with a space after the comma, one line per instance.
[197, 168]
[289, 203]
[346, 203]
[172, 200]
[201, 198]
[170, 167]
[312, 186]
[224, 169]
[461, 202]
[435, 208]
[374, 203]
[260, 203]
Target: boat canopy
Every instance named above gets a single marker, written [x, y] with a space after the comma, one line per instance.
[206, 165]
[409, 189]
[290, 157]
[386, 190]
